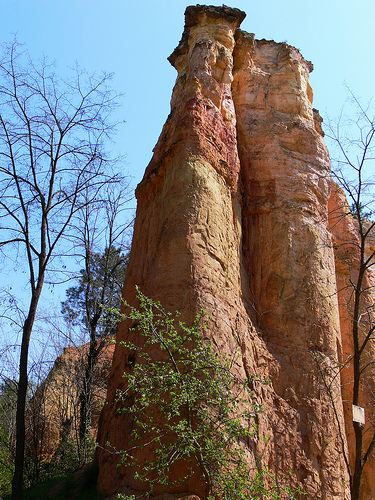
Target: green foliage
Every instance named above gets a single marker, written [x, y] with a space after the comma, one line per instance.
[78, 486]
[8, 397]
[189, 408]
[98, 292]
[267, 486]
[6, 464]
[359, 211]
[66, 458]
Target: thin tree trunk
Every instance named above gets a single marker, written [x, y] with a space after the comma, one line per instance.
[17, 481]
[358, 470]
[358, 429]
[85, 400]
[85, 396]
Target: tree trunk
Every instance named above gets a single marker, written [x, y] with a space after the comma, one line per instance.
[85, 402]
[356, 483]
[17, 481]
[85, 397]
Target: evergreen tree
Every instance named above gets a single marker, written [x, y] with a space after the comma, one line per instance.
[89, 305]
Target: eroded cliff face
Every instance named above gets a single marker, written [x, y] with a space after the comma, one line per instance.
[288, 255]
[232, 216]
[186, 249]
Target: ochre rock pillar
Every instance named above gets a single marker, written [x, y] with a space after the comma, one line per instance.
[231, 216]
[186, 245]
[288, 254]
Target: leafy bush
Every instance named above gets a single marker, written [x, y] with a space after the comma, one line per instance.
[6, 464]
[189, 408]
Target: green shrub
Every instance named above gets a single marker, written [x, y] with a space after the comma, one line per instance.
[189, 407]
[6, 464]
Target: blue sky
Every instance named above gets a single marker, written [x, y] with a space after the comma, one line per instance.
[134, 38]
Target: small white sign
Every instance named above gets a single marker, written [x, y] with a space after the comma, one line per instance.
[358, 414]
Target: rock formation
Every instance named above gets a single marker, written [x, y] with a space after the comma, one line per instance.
[53, 418]
[232, 216]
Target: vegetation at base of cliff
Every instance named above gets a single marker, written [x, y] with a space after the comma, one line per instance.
[46, 407]
[80, 485]
[193, 414]
[41, 475]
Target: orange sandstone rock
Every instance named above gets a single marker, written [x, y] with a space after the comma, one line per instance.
[288, 255]
[54, 410]
[232, 216]
[187, 234]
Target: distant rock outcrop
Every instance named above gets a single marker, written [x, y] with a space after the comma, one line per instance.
[233, 216]
[53, 418]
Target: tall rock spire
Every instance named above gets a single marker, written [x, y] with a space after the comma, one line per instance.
[288, 254]
[232, 216]
[186, 249]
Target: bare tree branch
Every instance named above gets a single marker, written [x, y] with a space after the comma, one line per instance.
[53, 163]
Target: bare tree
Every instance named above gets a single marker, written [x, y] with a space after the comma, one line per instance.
[353, 143]
[52, 138]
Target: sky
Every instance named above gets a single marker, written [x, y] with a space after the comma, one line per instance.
[133, 39]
